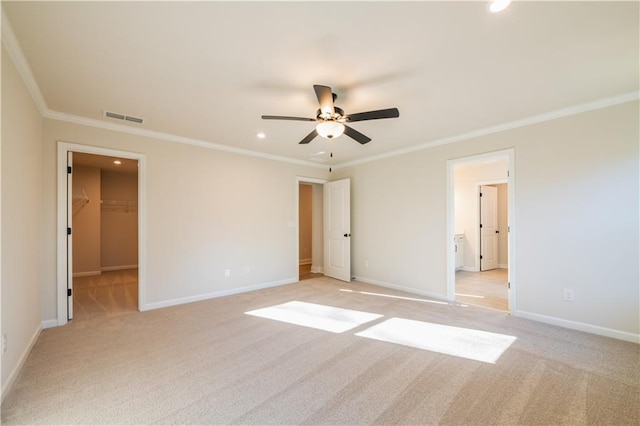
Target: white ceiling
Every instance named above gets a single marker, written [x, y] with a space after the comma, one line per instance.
[103, 162]
[207, 71]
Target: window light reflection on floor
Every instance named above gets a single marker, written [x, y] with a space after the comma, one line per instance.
[322, 317]
[462, 342]
[470, 295]
[394, 297]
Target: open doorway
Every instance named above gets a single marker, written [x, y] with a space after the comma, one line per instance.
[68, 201]
[105, 235]
[480, 221]
[310, 230]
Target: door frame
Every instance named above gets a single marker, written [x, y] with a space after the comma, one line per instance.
[299, 180]
[63, 261]
[511, 221]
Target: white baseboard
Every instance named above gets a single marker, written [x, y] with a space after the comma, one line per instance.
[411, 290]
[305, 262]
[580, 326]
[222, 293]
[503, 266]
[573, 325]
[86, 274]
[118, 268]
[49, 323]
[469, 269]
[317, 269]
[6, 385]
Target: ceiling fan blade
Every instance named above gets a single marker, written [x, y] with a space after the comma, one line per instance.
[282, 117]
[374, 115]
[354, 134]
[325, 98]
[311, 136]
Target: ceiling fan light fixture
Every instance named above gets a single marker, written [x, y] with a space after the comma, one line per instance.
[330, 129]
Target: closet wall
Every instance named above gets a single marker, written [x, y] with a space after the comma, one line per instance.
[105, 221]
[305, 223]
[86, 221]
[119, 221]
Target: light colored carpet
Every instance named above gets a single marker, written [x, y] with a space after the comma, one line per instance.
[210, 363]
[106, 295]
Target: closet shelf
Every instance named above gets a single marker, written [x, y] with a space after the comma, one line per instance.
[119, 206]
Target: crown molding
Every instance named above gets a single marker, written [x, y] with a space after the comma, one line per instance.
[15, 52]
[91, 122]
[564, 112]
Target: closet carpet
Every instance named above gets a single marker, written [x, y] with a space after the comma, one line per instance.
[211, 363]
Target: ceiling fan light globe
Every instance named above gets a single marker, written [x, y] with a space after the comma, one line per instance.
[330, 129]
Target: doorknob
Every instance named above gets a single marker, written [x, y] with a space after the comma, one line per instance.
[497, 232]
[347, 235]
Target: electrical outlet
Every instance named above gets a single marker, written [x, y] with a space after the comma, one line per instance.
[568, 295]
[4, 343]
[366, 263]
[227, 273]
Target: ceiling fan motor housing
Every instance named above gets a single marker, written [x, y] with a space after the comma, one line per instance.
[338, 115]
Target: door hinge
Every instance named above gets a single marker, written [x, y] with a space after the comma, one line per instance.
[69, 170]
[481, 194]
[69, 292]
[68, 231]
[509, 285]
[480, 225]
[508, 229]
[480, 257]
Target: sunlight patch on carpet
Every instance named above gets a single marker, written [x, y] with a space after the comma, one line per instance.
[462, 342]
[321, 317]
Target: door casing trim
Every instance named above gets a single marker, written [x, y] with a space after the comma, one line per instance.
[61, 227]
[511, 220]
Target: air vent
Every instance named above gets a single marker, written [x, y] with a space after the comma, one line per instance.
[119, 116]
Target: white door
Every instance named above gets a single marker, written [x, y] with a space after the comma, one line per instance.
[488, 228]
[69, 235]
[337, 229]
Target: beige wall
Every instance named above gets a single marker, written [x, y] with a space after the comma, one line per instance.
[21, 198]
[119, 227]
[305, 224]
[86, 220]
[207, 211]
[576, 218]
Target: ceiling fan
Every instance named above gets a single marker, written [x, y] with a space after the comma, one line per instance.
[332, 120]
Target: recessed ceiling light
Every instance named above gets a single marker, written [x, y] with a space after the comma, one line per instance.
[499, 5]
[117, 162]
[261, 135]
